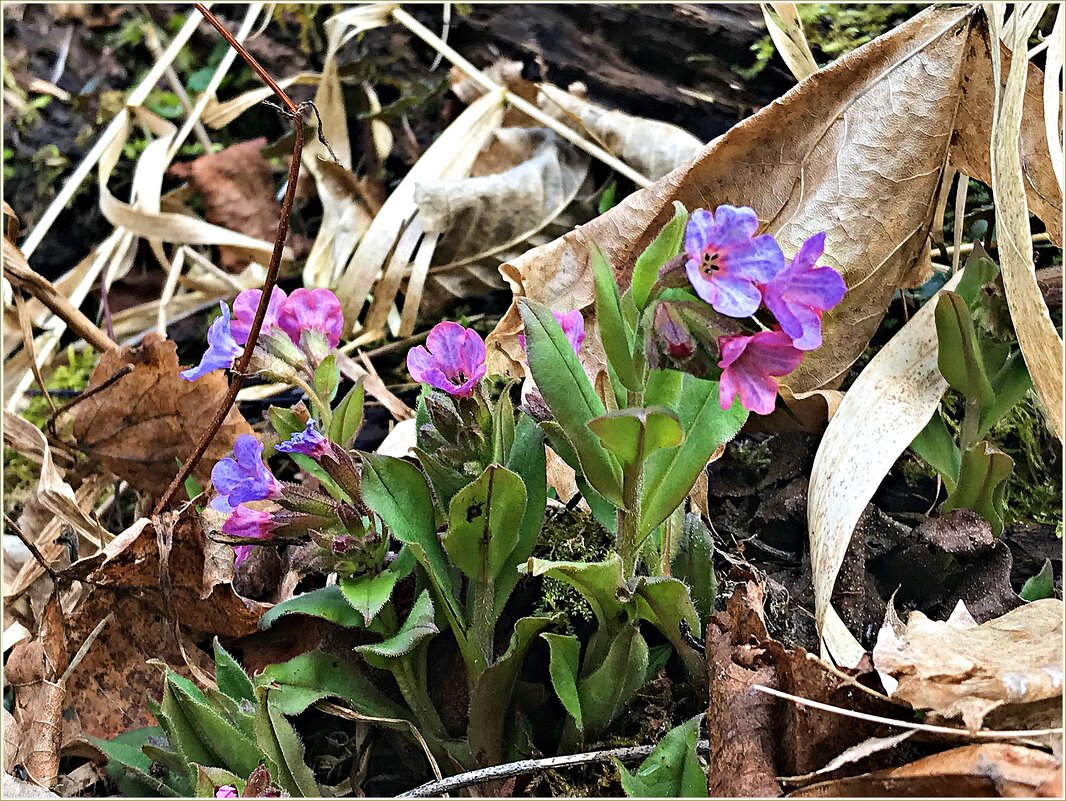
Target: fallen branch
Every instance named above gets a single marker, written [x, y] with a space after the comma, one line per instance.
[524, 766]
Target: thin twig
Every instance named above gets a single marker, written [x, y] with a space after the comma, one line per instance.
[272, 269]
[431, 789]
[904, 724]
[125, 370]
[11, 526]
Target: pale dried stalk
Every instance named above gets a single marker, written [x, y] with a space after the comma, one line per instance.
[434, 41]
[786, 30]
[151, 39]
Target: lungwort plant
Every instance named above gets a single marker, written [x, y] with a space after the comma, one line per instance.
[428, 553]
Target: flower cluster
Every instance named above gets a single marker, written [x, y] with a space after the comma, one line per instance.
[239, 481]
[737, 272]
[308, 318]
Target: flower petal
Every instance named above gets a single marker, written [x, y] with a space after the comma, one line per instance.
[245, 306]
[734, 296]
[733, 224]
[698, 233]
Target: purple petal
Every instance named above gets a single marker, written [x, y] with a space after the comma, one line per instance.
[810, 251]
[419, 363]
[573, 325]
[733, 224]
[312, 309]
[245, 522]
[758, 259]
[698, 233]
[221, 351]
[445, 342]
[308, 442]
[772, 353]
[472, 355]
[734, 296]
[245, 306]
[248, 450]
[225, 476]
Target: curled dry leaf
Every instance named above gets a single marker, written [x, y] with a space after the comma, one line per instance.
[148, 420]
[651, 147]
[857, 150]
[986, 770]
[958, 668]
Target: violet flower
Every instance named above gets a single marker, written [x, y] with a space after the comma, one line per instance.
[726, 263]
[226, 790]
[245, 477]
[245, 522]
[308, 442]
[245, 306]
[312, 310]
[573, 325]
[799, 294]
[452, 360]
[749, 364]
[222, 349]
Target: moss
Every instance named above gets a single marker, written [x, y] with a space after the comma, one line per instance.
[1034, 489]
[570, 536]
[20, 473]
[833, 30]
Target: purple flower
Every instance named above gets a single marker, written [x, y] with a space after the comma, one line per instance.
[312, 310]
[244, 308]
[573, 325]
[221, 351]
[245, 522]
[308, 442]
[749, 364]
[725, 263]
[799, 294]
[246, 477]
[453, 359]
[226, 790]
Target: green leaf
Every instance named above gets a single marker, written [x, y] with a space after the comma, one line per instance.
[367, 594]
[664, 387]
[982, 484]
[310, 677]
[1040, 586]
[419, 625]
[669, 475]
[693, 563]
[284, 421]
[936, 446]
[563, 665]
[600, 583]
[959, 357]
[672, 770]
[327, 603]
[1010, 384]
[613, 331]
[979, 271]
[483, 523]
[570, 396]
[490, 698]
[313, 468]
[634, 434]
[347, 417]
[204, 736]
[445, 480]
[399, 495]
[527, 459]
[606, 691]
[665, 603]
[607, 199]
[208, 779]
[503, 426]
[279, 741]
[327, 378]
[663, 248]
[230, 676]
[129, 767]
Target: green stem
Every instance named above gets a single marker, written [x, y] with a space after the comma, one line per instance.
[483, 625]
[325, 414]
[629, 514]
[414, 692]
[971, 422]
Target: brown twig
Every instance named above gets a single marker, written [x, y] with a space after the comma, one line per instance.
[50, 425]
[272, 269]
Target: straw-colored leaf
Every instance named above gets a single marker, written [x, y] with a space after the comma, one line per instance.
[1053, 70]
[218, 114]
[888, 405]
[450, 156]
[786, 31]
[1038, 338]
[652, 147]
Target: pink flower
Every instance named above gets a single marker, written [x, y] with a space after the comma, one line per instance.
[453, 359]
[312, 310]
[246, 522]
[749, 364]
[726, 263]
[226, 790]
[799, 294]
[573, 325]
[244, 307]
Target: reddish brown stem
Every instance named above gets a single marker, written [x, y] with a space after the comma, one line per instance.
[272, 269]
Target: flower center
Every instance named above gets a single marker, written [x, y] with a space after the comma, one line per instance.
[458, 378]
[710, 262]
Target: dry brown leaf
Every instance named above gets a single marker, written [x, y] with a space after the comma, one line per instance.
[237, 189]
[989, 769]
[139, 427]
[956, 667]
[856, 150]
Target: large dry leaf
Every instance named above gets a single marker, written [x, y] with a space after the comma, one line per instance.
[886, 408]
[140, 426]
[959, 668]
[857, 150]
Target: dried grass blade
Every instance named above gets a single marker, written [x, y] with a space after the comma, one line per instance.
[786, 30]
